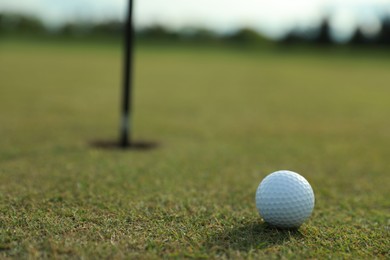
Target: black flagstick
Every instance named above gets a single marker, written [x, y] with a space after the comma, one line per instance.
[126, 127]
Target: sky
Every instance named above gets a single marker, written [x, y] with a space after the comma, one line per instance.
[271, 17]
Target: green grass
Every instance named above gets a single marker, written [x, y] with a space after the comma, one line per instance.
[224, 119]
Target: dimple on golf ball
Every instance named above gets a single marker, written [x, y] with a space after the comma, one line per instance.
[285, 199]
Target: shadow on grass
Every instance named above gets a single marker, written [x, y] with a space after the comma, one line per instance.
[252, 236]
[134, 146]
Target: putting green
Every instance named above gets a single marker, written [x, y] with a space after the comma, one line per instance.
[223, 120]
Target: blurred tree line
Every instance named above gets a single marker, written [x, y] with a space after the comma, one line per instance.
[322, 35]
[14, 24]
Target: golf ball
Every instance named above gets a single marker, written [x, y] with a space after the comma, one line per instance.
[285, 199]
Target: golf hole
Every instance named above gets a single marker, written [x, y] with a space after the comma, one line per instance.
[134, 146]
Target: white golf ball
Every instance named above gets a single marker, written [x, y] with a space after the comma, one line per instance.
[285, 199]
